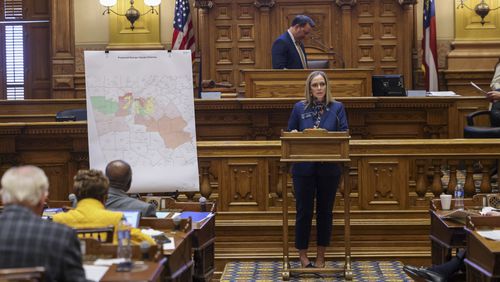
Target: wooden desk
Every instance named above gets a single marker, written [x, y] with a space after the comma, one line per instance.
[445, 235]
[146, 271]
[179, 264]
[203, 239]
[483, 257]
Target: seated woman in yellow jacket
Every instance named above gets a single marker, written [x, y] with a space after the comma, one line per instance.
[91, 189]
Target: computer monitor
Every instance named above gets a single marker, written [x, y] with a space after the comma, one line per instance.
[388, 85]
[48, 213]
[132, 217]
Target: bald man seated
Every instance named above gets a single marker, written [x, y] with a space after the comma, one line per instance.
[119, 174]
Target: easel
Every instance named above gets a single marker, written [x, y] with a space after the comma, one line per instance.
[316, 145]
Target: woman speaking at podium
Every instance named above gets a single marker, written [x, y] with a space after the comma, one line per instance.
[316, 180]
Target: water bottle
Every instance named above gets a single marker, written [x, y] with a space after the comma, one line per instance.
[124, 250]
[459, 196]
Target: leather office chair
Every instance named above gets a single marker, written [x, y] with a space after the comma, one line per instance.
[472, 131]
[318, 64]
[72, 115]
[103, 235]
[23, 274]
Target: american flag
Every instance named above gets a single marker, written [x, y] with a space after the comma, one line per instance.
[429, 58]
[183, 38]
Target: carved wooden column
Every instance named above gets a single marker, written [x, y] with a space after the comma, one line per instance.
[407, 40]
[264, 41]
[63, 49]
[346, 7]
[204, 35]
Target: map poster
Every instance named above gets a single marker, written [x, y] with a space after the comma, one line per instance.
[140, 109]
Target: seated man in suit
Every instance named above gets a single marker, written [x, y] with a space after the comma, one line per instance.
[119, 174]
[91, 189]
[288, 51]
[442, 272]
[26, 240]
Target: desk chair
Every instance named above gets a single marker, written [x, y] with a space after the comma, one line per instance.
[23, 274]
[97, 233]
[474, 131]
[318, 64]
[72, 115]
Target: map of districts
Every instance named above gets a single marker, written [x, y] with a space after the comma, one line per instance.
[144, 127]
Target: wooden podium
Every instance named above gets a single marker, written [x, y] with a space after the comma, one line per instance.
[316, 145]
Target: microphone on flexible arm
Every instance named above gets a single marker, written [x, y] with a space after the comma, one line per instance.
[203, 204]
[327, 48]
[73, 199]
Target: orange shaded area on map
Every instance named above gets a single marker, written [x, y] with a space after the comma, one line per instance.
[171, 130]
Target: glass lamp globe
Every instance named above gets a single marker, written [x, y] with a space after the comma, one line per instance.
[152, 2]
[107, 3]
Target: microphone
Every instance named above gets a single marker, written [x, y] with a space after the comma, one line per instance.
[73, 199]
[145, 250]
[203, 204]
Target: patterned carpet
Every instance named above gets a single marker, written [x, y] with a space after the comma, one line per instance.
[369, 271]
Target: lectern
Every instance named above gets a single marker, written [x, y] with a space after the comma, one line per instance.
[316, 145]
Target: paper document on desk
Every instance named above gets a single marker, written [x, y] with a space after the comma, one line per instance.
[170, 245]
[442, 94]
[94, 272]
[490, 234]
[459, 215]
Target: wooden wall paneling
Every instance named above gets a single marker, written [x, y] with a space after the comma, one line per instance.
[262, 54]
[37, 10]
[37, 57]
[63, 49]
[245, 184]
[204, 32]
[459, 81]
[383, 183]
[379, 29]
[407, 41]
[347, 50]
[264, 118]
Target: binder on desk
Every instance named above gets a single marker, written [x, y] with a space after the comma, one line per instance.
[198, 218]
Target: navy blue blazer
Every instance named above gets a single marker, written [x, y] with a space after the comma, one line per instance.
[285, 55]
[333, 119]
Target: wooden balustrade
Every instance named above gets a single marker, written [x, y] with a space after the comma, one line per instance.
[392, 182]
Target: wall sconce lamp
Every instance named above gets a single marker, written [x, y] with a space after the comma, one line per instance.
[132, 14]
[482, 9]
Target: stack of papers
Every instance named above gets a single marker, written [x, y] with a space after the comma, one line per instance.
[94, 272]
[442, 94]
[490, 234]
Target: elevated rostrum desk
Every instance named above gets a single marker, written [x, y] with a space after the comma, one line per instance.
[316, 145]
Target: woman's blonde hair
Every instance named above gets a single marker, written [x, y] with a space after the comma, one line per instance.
[308, 93]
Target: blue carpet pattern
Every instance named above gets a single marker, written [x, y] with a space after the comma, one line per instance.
[369, 271]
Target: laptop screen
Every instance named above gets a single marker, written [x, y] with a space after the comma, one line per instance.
[132, 217]
[48, 213]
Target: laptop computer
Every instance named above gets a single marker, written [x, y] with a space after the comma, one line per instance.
[48, 213]
[132, 217]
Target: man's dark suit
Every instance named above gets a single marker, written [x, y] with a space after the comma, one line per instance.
[118, 200]
[27, 241]
[285, 55]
